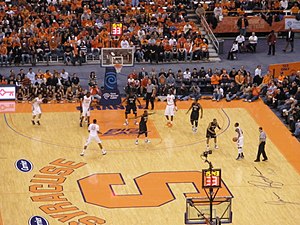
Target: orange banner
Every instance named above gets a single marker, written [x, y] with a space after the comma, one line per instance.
[286, 68]
[256, 24]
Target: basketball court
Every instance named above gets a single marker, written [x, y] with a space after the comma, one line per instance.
[44, 175]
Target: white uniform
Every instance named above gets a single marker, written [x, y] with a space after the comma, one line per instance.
[36, 108]
[93, 128]
[86, 106]
[170, 108]
[240, 141]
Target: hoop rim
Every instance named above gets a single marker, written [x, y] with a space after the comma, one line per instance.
[118, 67]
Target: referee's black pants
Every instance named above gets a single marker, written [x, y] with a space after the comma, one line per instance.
[261, 150]
[150, 99]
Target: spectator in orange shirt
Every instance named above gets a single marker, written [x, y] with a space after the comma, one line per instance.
[95, 93]
[215, 80]
[239, 79]
[3, 54]
[254, 95]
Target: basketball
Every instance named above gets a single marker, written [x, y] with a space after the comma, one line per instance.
[234, 139]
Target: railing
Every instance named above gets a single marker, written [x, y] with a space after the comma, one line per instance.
[210, 34]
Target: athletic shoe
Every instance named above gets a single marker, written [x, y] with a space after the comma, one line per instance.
[81, 154]
[147, 141]
[256, 160]
[136, 142]
[242, 156]
[33, 123]
[80, 124]
[38, 122]
[216, 147]
[265, 159]
[239, 158]
[103, 152]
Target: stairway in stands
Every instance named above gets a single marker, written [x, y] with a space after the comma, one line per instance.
[213, 54]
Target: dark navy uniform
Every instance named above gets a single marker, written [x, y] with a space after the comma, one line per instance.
[210, 132]
[143, 124]
[131, 104]
[195, 111]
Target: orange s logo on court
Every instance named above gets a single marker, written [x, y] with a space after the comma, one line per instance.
[47, 187]
[153, 187]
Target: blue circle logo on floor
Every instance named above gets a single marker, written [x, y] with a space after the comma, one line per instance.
[37, 220]
[24, 165]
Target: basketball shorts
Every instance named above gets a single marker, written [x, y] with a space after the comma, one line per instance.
[194, 116]
[210, 135]
[142, 129]
[129, 108]
[86, 111]
[36, 111]
[240, 142]
[170, 110]
[91, 138]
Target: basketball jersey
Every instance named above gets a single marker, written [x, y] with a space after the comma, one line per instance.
[93, 128]
[144, 120]
[131, 100]
[86, 101]
[212, 127]
[170, 99]
[240, 132]
[36, 103]
[196, 107]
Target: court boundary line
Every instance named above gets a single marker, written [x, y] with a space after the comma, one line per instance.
[119, 150]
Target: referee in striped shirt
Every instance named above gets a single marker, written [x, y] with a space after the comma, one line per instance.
[261, 147]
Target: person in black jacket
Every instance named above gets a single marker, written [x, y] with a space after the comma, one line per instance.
[289, 40]
[231, 92]
[242, 24]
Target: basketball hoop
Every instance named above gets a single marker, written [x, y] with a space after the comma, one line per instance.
[118, 67]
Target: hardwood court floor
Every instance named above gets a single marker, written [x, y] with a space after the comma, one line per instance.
[264, 193]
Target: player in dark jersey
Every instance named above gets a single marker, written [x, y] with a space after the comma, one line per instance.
[131, 105]
[211, 133]
[195, 107]
[143, 127]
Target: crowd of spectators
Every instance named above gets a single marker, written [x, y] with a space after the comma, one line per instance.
[281, 93]
[56, 86]
[33, 31]
[271, 11]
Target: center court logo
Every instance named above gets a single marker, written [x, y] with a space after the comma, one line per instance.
[23, 165]
[37, 220]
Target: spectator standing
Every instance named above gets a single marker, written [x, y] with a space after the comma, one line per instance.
[200, 11]
[271, 39]
[289, 40]
[242, 24]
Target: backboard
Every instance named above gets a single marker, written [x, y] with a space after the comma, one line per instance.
[111, 56]
[198, 210]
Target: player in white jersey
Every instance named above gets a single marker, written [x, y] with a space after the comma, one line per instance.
[85, 104]
[94, 131]
[36, 109]
[240, 141]
[170, 108]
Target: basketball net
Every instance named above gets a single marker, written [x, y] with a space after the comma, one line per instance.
[118, 67]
